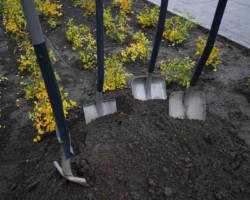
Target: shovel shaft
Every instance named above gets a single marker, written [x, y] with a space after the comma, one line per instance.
[100, 47]
[33, 23]
[54, 95]
[48, 75]
[158, 38]
[210, 42]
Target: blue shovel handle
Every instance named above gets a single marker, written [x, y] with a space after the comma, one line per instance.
[100, 46]
[210, 41]
[158, 38]
[48, 75]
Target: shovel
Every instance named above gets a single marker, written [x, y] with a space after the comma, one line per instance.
[100, 107]
[35, 32]
[192, 104]
[152, 86]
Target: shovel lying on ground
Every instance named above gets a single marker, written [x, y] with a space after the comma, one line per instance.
[152, 86]
[100, 107]
[35, 32]
[192, 104]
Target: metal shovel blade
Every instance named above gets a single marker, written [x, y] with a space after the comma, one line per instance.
[91, 111]
[66, 171]
[194, 106]
[81, 181]
[156, 90]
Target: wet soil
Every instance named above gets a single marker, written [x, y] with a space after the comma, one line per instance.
[139, 152]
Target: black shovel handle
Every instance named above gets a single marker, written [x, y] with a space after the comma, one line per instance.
[210, 41]
[158, 38]
[100, 47]
[48, 75]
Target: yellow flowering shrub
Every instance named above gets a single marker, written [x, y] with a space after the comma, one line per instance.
[116, 27]
[214, 57]
[50, 10]
[115, 75]
[42, 114]
[83, 43]
[137, 51]
[177, 27]
[149, 17]
[27, 60]
[88, 5]
[13, 17]
[125, 5]
[14, 22]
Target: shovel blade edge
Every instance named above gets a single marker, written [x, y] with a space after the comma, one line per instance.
[195, 106]
[158, 88]
[91, 113]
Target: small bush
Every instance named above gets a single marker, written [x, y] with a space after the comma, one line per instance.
[178, 71]
[125, 5]
[137, 51]
[115, 75]
[176, 29]
[49, 10]
[116, 28]
[214, 57]
[149, 17]
[13, 17]
[83, 43]
[88, 5]
[42, 114]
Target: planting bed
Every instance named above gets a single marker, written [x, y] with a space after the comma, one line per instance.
[139, 152]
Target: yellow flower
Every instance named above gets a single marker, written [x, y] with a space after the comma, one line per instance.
[37, 139]
[73, 103]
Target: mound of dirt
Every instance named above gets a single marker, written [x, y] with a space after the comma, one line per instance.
[142, 153]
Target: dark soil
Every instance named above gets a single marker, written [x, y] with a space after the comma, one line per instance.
[139, 152]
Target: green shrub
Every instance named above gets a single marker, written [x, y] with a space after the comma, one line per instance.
[149, 17]
[176, 28]
[178, 71]
[83, 43]
[116, 28]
